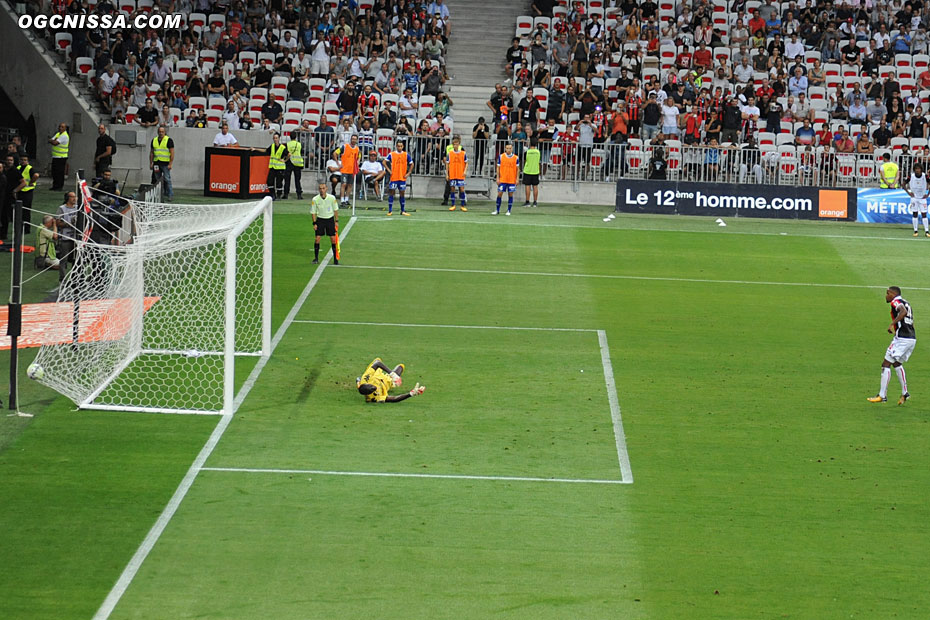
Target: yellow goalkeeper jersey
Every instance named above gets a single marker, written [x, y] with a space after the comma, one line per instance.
[378, 378]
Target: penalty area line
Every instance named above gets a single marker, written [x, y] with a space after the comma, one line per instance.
[135, 563]
[441, 326]
[373, 474]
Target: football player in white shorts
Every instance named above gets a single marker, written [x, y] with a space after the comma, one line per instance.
[901, 347]
[916, 188]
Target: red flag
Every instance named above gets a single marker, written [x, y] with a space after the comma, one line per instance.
[88, 221]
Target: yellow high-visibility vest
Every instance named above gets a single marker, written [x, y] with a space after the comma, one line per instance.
[27, 174]
[294, 148]
[277, 157]
[160, 148]
[889, 170]
[60, 150]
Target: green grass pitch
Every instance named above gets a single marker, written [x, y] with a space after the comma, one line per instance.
[765, 486]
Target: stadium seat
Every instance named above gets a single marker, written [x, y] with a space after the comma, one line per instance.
[129, 6]
[766, 138]
[84, 64]
[197, 103]
[426, 106]
[291, 121]
[266, 57]
[785, 137]
[145, 6]
[178, 78]
[897, 143]
[258, 95]
[217, 18]
[248, 58]
[279, 82]
[524, 25]
[216, 103]
[185, 66]
[866, 171]
[884, 71]
[918, 144]
[312, 119]
[278, 94]
[131, 112]
[63, 41]
[545, 22]
[197, 19]
[815, 93]
[175, 114]
[908, 86]
[920, 62]
[294, 107]
[312, 107]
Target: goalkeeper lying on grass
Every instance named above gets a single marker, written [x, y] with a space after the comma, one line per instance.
[377, 381]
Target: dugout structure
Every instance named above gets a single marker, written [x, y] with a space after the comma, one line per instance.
[158, 323]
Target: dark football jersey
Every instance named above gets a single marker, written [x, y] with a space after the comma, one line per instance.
[905, 327]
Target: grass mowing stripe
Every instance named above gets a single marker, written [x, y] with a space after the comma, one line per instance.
[122, 584]
[547, 274]
[322, 472]
[715, 231]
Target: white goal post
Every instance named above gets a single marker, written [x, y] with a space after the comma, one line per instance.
[158, 324]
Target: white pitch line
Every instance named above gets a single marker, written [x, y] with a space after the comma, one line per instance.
[371, 474]
[375, 324]
[714, 231]
[626, 471]
[549, 274]
[135, 563]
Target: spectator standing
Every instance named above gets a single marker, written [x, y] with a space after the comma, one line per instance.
[161, 158]
[104, 152]
[60, 143]
[66, 226]
[294, 166]
[531, 171]
[25, 189]
[277, 155]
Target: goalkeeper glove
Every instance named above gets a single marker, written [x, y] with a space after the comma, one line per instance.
[418, 389]
[395, 378]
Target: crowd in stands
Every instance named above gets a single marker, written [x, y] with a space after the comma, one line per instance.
[789, 77]
[276, 65]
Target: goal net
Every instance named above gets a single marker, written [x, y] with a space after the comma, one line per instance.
[158, 322]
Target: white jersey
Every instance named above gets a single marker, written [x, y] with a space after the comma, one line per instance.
[918, 186]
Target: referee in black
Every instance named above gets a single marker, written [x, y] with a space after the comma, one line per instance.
[324, 209]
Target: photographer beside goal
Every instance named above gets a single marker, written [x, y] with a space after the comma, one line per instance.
[377, 380]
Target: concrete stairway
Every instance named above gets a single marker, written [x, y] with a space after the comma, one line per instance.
[481, 34]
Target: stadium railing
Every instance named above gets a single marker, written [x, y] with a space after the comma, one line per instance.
[786, 165]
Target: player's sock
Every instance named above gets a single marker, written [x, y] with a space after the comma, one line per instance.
[335, 258]
[316, 251]
[498, 204]
[509, 202]
[403, 204]
[926, 224]
[914, 221]
[452, 197]
[464, 198]
[886, 376]
[902, 377]
[390, 203]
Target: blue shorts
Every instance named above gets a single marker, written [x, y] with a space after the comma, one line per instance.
[506, 187]
[398, 185]
[457, 183]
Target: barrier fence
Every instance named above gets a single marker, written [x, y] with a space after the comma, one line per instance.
[605, 162]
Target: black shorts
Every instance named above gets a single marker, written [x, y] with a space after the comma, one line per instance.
[530, 179]
[325, 227]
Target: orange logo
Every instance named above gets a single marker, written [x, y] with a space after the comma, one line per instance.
[258, 175]
[224, 174]
[832, 204]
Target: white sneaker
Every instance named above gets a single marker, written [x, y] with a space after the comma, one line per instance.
[495, 212]
[508, 213]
